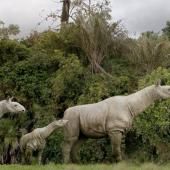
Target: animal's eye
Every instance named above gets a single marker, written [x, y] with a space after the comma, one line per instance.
[169, 89]
[15, 105]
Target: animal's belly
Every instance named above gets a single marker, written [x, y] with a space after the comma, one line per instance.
[33, 145]
[93, 126]
[93, 132]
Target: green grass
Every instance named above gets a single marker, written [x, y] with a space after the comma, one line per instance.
[119, 166]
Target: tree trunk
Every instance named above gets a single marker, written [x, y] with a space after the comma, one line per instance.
[96, 67]
[65, 12]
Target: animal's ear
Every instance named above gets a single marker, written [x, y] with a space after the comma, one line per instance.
[9, 99]
[158, 83]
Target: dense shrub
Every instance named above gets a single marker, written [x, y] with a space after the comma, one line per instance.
[153, 125]
[49, 72]
[12, 52]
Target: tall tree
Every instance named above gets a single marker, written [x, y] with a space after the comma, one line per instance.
[97, 33]
[7, 31]
[166, 30]
[65, 12]
[149, 52]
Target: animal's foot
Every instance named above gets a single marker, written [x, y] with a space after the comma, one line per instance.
[118, 159]
[66, 160]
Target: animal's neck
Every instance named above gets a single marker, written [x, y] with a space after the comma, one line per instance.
[142, 99]
[3, 108]
[48, 130]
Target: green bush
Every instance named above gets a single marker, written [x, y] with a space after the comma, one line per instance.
[154, 125]
[12, 51]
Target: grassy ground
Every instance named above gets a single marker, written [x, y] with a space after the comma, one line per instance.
[120, 166]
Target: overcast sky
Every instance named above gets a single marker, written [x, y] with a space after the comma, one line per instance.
[137, 15]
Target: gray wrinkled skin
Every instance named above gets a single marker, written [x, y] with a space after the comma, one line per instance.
[8, 106]
[110, 117]
[36, 140]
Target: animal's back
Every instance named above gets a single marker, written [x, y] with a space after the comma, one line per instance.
[32, 140]
[83, 109]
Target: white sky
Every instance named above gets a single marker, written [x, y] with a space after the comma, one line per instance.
[142, 15]
[137, 15]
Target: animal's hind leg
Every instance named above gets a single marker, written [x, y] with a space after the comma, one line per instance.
[22, 157]
[75, 150]
[28, 155]
[71, 134]
[67, 147]
[116, 138]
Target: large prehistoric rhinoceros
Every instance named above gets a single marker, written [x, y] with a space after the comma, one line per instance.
[110, 117]
[10, 106]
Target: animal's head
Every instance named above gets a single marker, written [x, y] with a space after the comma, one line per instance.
[13, 107]
[61, 123]
[162, 91]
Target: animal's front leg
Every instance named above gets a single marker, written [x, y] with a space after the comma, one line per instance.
[41, 148]
[116, 138]
[40, 157]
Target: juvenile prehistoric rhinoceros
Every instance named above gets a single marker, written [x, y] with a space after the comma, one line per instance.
[110, 117]
[36, 140]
